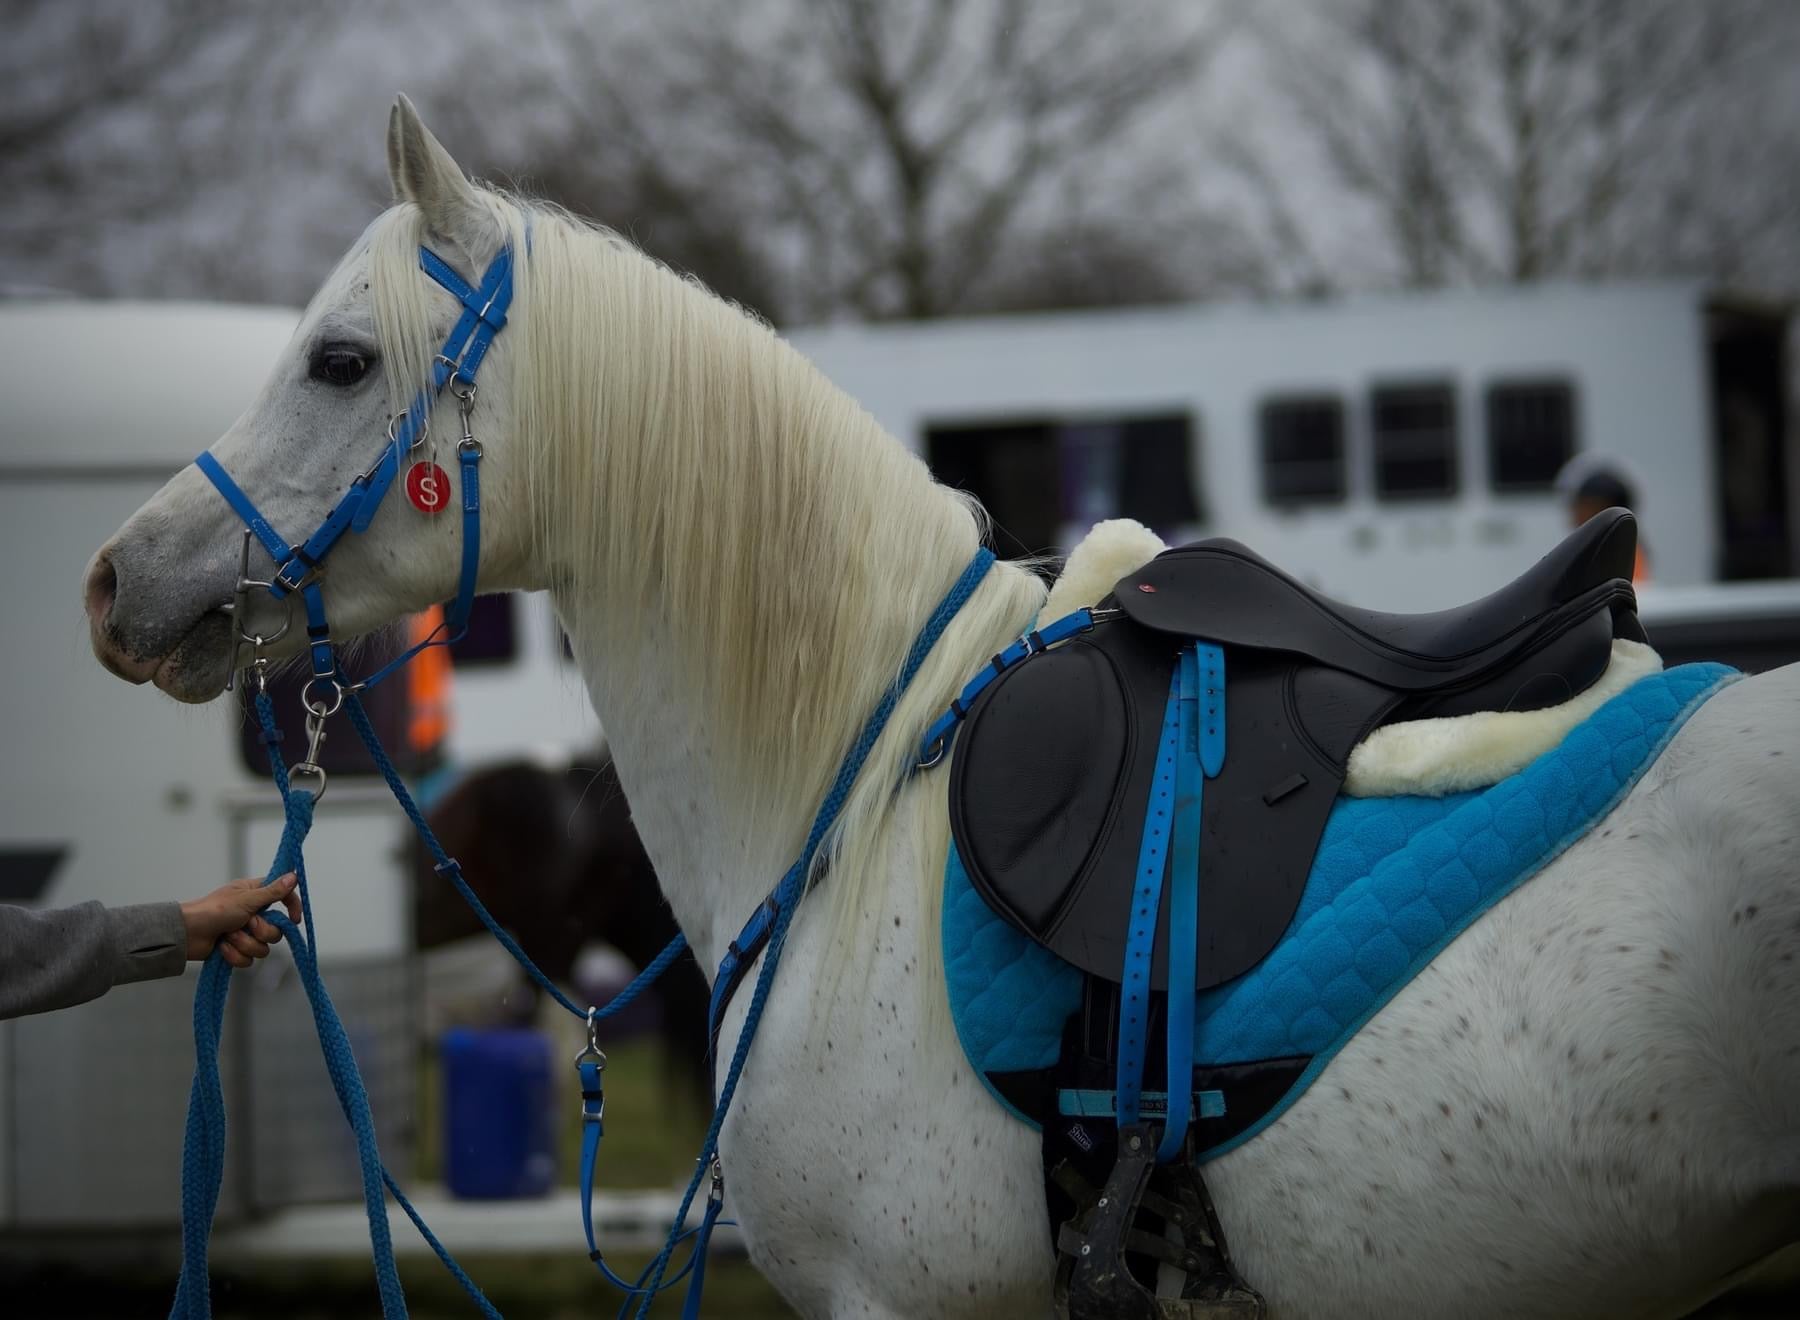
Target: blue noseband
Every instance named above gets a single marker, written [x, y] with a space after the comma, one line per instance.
[298, 566]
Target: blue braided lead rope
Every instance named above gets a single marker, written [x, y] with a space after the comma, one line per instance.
[203, 1151]
[448, 867]
[794, 882]
[203, 1159]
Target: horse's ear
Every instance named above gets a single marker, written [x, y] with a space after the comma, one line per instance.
[426, 175]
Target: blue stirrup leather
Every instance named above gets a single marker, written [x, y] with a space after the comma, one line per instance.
[1201, 675]
[1146, 903]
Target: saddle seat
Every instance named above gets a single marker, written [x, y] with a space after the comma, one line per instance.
[1227, 593]
[1053, 771]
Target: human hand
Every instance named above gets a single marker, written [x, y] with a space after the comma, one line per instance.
[228, 917]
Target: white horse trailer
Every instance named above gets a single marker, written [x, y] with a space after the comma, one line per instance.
[1399, 452]
[113, 797]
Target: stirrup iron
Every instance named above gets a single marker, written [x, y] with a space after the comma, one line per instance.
[1093, 1280]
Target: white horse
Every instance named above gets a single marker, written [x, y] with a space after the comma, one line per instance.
[1588, 1105]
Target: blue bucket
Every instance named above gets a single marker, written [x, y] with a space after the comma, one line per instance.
[499, 1111]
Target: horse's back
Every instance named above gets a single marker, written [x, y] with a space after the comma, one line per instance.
[1603, 1068]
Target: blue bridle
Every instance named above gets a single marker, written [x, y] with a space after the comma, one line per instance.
[298, 567]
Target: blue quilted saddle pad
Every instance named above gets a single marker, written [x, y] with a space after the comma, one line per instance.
[1394, 881]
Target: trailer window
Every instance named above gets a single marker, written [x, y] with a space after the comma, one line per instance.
[1045, 481]
[1413, 430]
[1530, 433]
[492, 637]
[1303, 450]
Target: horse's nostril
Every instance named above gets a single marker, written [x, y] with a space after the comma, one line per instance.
[101, 589]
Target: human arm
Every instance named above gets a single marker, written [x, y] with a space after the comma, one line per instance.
[66, 956]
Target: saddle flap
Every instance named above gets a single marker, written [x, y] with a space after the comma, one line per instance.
[1035, 788]
[1052, 781]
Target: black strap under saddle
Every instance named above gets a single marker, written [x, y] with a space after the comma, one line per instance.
[1056, 755]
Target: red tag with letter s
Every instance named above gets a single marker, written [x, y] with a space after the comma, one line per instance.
[428, 487]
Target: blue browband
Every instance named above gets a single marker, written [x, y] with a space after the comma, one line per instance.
[297, 566]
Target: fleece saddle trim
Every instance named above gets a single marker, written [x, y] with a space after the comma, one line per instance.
[1444, 754]
[1394, 881]
[1453, 753]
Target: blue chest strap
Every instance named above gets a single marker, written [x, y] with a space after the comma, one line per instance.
[938, 738]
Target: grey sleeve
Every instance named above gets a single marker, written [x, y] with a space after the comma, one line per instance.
[67, 956]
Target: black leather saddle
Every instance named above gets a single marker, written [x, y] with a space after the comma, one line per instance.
[1056, 756]
[1094, 752]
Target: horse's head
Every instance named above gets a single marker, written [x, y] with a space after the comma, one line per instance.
[157, 592]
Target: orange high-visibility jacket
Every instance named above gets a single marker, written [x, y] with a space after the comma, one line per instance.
[427, 684]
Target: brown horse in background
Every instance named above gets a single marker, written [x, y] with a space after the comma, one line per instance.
[555, 858]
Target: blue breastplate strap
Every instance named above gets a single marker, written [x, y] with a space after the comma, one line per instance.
[742, 953]
[936, 743]
[296, 566]
[766, 932]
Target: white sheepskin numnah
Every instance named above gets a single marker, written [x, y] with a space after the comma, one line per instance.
[1460, 752]
[1430, 757]
[1107, 553]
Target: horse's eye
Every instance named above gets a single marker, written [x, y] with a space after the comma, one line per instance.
[338, 364]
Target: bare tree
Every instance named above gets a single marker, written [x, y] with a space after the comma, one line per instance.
[70, 77]
[1515, 139]
[193, 147]
[868, 158]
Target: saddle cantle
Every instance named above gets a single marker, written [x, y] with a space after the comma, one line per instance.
[1056, 757]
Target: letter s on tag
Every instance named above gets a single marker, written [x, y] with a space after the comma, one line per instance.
[428, 487]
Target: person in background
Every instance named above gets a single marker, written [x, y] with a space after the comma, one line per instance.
[1593, 485]
[67, 956]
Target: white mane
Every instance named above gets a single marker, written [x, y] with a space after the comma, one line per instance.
[682, 458]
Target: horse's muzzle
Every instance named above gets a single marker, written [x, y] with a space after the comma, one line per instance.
[99, 591]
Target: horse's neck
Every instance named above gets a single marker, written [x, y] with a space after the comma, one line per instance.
[742, 556]
[717, 846]
[715, 863]
[661, 750]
